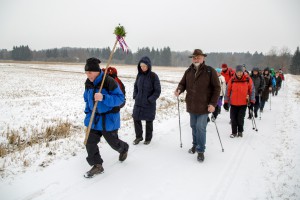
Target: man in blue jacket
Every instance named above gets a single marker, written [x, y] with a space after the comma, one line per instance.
[107, 117]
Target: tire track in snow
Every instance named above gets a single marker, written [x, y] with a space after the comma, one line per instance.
[229, 173]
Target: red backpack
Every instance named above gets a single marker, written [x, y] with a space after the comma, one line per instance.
[112, 72]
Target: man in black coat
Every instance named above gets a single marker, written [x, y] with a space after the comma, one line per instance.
[146, 91]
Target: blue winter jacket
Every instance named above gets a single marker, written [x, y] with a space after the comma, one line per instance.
[113, 97]
[146, 91]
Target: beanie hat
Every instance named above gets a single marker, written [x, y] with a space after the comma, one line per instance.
[224, 65]
[239, 68]
[255, 69]
[218, 70]
[267, 69]
[92, 64]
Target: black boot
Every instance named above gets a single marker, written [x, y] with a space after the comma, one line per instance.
[137, 140]
[233, 135]
[123, 155]
[240, 134]
[147, 142]
[96, 169]
[192, 150]
[200, 157]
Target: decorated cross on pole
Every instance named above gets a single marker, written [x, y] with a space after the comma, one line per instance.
[120, 34]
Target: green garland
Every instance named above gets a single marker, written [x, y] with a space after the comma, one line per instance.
[120, 31]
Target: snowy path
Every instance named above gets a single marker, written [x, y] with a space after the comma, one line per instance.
[261, 165]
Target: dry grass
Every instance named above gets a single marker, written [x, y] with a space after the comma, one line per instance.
[298, 94]
[50, 133]
[62, 130]
[3, 150]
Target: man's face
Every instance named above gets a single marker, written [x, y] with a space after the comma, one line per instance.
[92, 75]
[224, 69]
[239, 74]
[255, 72]
[198, 59]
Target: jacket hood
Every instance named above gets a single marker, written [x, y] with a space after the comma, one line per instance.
[147, 61]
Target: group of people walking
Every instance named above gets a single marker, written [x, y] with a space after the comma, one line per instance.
[205, 88]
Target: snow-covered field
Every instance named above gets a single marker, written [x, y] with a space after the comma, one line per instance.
[261, 165]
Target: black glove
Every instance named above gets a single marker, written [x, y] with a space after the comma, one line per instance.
[226, 106]
[251, 106]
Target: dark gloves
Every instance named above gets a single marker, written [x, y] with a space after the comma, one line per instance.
[251, 106]
[226, 106]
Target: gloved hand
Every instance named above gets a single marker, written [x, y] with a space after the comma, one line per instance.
[260, 91]
[226, 106]
[251, 106]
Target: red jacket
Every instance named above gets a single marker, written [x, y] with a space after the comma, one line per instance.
[238, 91]
[227, 74]
[282, 76]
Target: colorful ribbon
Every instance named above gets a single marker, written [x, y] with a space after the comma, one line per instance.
[122, 43]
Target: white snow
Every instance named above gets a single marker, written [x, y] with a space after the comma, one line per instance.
[261, 165]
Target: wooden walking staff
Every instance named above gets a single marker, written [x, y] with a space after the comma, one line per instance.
[120, 33]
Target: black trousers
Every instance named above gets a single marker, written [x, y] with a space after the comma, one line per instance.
[237, 115]
[112, 139]
[139, 129]
[256, 106]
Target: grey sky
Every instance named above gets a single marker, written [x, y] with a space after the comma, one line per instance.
[212, 25]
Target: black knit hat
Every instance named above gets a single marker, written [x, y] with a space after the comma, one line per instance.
[92, 64]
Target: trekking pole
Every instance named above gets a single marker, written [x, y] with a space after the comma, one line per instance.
[213, 117]
[120, 33]
[260, 107]
[179, 122]
[253, 121]
[251, 113]
[270, 101]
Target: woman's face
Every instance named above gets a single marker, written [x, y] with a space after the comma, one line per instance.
[144, 67]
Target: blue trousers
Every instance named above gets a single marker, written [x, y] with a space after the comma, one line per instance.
[198, 124]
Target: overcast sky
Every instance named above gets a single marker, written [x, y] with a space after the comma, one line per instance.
[212, 25]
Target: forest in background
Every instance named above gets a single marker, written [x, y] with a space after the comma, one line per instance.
[275, 58]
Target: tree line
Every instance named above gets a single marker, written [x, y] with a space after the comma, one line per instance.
[160, 57]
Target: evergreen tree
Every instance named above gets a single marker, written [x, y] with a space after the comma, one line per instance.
[21, 53]
[295, 67]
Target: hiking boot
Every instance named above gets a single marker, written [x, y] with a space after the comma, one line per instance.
[249, 116]
[96, 169]
[233, 135]
[137, 140]
[200, 157]
[147, 142]
[240, 134]
[123, 155]
[192, 150]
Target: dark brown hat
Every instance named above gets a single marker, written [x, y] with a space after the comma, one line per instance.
[197, 52]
